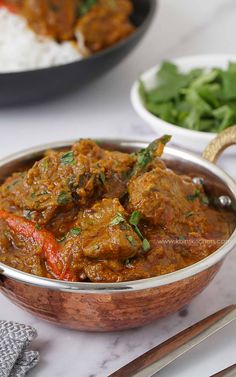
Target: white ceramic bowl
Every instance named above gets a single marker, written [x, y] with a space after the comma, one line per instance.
[193, 140]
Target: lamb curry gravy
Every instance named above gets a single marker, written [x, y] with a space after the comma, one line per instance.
[89, 214]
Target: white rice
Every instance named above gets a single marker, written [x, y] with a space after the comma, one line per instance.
[21, 49]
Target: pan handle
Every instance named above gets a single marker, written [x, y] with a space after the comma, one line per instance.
[222, 141]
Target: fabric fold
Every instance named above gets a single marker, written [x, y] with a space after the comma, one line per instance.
[15, 359]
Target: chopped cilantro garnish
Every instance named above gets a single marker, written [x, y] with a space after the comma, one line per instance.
[117, 219]
[68, 158]
[189, 214]
[192, 197]
[102, 178]
[63, 198]
[146, 245]
[75, 231]
[138, 232]
[145, 156]
[205, 200]
[165, 139]
[37, 226]
[131, 240]
[135, 218]
[85, 7]
[45, 164]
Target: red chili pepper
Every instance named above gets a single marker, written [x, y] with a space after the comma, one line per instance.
[11, 7]
[44, 239]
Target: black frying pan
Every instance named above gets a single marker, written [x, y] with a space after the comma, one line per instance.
[40, 84]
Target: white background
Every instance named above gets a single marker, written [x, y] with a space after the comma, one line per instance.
[181, 27]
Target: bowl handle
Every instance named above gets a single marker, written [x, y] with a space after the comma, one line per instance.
[1, 279]
[222, 141]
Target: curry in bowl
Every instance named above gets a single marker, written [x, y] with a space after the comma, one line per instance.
[95, 215]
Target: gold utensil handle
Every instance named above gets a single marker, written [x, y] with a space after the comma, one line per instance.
[160, 356]
[224, 140]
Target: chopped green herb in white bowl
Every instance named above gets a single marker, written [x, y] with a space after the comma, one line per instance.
[192, 98]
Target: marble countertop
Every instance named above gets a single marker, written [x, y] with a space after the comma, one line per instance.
[181, 27]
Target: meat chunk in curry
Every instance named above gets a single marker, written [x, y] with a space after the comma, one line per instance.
[91, 214]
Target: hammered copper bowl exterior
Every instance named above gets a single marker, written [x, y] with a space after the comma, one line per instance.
[105, 311]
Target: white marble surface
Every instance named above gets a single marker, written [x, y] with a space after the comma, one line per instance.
[103, 109]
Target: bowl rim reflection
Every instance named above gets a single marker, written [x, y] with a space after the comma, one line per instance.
[135, 285]
[109, 50]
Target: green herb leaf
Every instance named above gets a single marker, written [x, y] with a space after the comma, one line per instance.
[205, 78]
[75, 231]
[146, 245]
[145, 156]
[167, 72]
[135, 218]
[205, 200]
[118, 219]
[131, 240]
[45, 163]
[85, 6]
[165, 139]
[164, 111]
[170, 81]
[63, 198]
[189, 214]
[68, 158]
[226, 115]
[229, 84]
[102, 178]
[138, 232]
[37, 226]
[192, 197]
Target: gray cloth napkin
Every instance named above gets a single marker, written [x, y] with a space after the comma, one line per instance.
[15, 359]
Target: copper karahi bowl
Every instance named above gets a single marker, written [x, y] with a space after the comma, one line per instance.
[117, 306]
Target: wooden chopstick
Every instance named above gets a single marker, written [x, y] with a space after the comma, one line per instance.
[160, 356]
